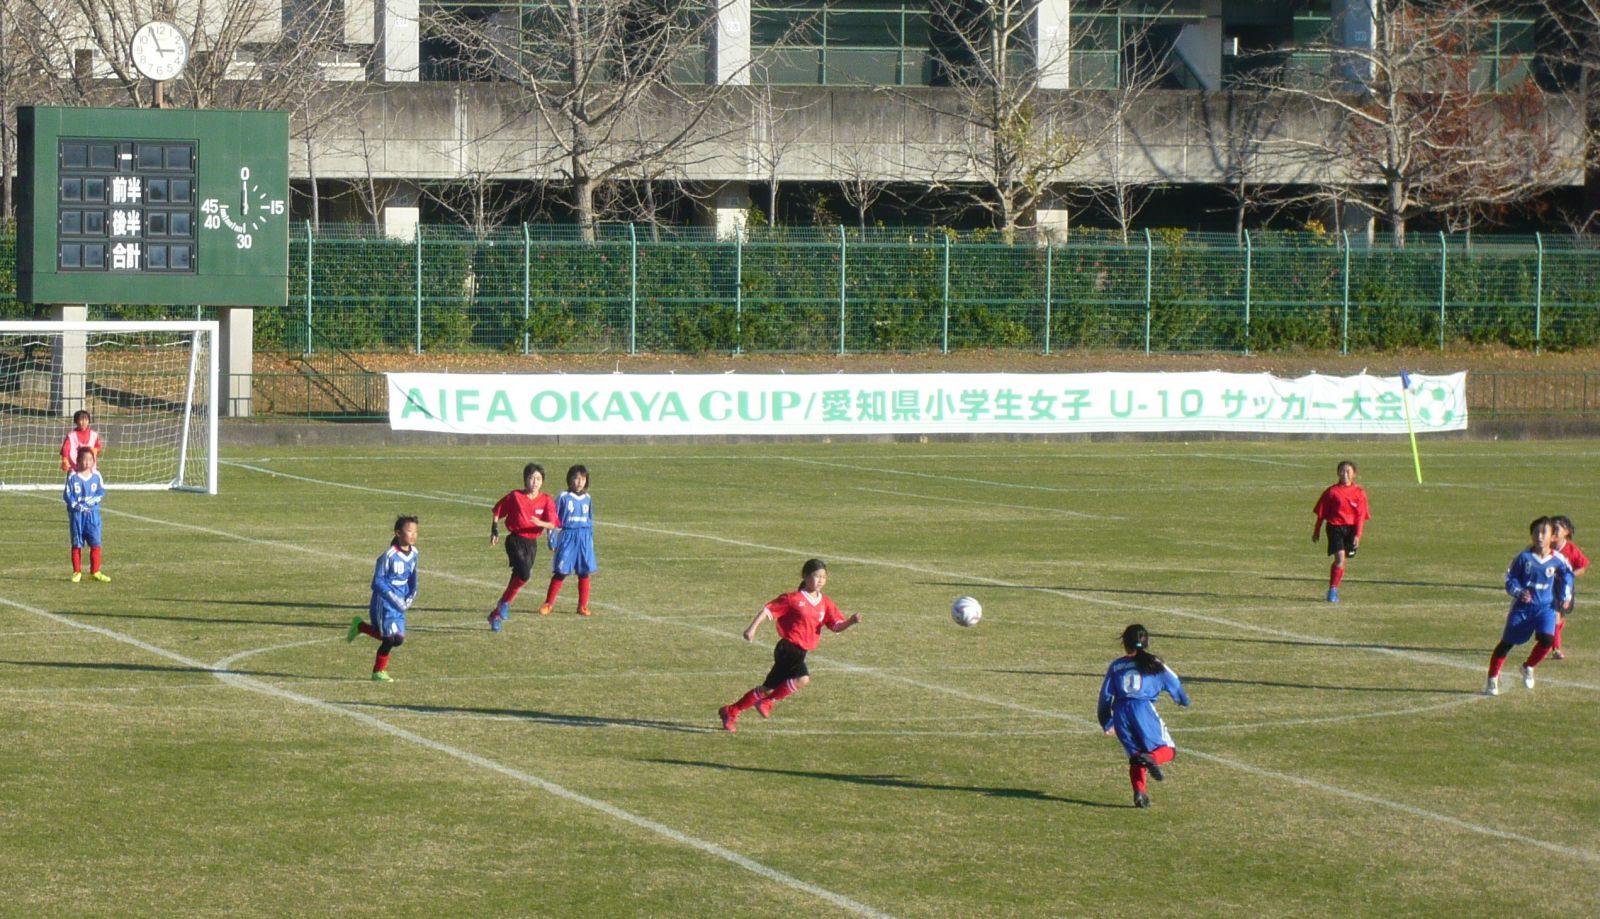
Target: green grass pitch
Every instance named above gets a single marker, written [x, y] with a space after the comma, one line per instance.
[197, 738]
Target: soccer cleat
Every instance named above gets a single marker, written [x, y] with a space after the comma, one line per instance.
[583, 610]
[1333, 595]
[381, 676]
[354, 630]
[764, 707]
[1558, 655]
[1151, 766]
[1527, 676]
[730, 718]
[101, 576]
[503, 610]
[1140, 799]
[1492, 688]
[544, 610]
[76, 577]
[494, 621]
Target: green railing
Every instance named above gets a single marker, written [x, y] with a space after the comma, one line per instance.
[545, 289]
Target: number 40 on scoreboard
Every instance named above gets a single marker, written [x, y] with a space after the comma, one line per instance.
[160, 206]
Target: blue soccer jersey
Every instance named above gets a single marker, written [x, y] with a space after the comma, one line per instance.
[83, 495]
[574, 548]
[1127, 702]
[394, 586]
[1548, 583]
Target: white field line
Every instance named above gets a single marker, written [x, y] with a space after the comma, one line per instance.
[251, 684]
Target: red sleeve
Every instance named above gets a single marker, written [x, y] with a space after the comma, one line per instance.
[1577, 558]
[830, 613]
[502, 508]
[1364, 515]
[549, 505]
[1320, 508]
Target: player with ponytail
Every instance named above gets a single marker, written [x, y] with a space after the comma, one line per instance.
[1127, 709]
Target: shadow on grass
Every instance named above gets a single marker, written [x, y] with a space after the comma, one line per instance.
[551, 718]
[143, 668]
[1076, 588]
[890, 781]
[277, 604]
[1322, 579]
[217, 620]
[1302, 643]
[1192, 680]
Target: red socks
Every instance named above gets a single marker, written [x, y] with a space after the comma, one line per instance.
[1335, 575]
[380, 663]
[747, 700]
[552, 592]
[583, 592]
[1561, 623]
[784, 691]
[1495, 663]
[1537, 655]
[1136, 776]
[1163, 755]
[366, 629]
[77, 559]
[512, 587]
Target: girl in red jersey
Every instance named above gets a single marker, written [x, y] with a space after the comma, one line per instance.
[1579, 563]
[1343, 507]
[799, 617]
[527, 513]
[81, 436]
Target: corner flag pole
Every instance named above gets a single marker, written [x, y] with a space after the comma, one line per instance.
[1405, 401]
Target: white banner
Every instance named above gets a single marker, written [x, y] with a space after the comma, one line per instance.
[657, 405]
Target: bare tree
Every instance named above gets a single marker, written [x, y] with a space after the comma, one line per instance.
[1018, 137]
[1237, 125]
[861, 181]
[591, 72]
[1119, 186]
[1410, 132]
[774, 126]
[1573, 27]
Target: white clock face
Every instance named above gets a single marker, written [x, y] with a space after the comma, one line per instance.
[159, 50]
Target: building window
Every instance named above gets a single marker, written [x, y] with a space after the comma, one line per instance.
[856, 42]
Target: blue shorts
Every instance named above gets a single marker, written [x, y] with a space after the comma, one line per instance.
[85, 528]
[574, 553]
[1524, 622]
[388, 622]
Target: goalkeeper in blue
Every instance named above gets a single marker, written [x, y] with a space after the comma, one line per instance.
[394, 587]
[83, 494]
[1127, 709]
[1540, 584]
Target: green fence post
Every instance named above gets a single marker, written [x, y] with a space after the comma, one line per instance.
[1344, 331]
[1248, 265]
[527, 287]
[1149, 269]
[419, 288]
[738, 290]
[309, 285]
[1538, 292]
[1444, 261]
[633, 289]
[946, 293]
[1048, 276]
[842, 254]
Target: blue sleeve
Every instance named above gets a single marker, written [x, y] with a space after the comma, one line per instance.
[1564, 579]
[411, 583]
[1514, 583]
[1175, 689]
[379, 588]
[66, 493]
[1103, 710]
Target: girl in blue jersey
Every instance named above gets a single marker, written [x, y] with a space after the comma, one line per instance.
[83, 494]
[394, 588]
[572, 550]
[1540, 583]
[1127, 709]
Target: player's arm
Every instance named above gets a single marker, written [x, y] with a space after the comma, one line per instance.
[750, 630]
[1103, 709]
[380, 584]
[839, 624]
[1514, 584]
[1175, 688]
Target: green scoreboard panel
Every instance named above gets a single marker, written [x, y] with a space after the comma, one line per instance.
[186, 207]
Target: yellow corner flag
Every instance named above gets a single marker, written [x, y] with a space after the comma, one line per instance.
[1405, 401]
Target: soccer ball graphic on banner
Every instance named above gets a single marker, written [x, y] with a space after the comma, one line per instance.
[966, 611]
[1435, 405]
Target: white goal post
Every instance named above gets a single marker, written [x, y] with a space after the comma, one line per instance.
[149, 387]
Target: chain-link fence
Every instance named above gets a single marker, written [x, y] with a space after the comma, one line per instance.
[635, 288]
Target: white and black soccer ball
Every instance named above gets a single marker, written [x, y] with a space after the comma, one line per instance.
[966, 611]
[1435, 405]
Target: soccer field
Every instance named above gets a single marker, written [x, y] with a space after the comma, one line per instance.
[197, 737]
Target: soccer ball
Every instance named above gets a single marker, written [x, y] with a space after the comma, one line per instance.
[966, 611]
[1434, 405]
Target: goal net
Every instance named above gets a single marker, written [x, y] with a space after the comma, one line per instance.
[149, 387]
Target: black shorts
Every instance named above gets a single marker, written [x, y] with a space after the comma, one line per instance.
[788, 663]
[520, 552]
[1341, 537]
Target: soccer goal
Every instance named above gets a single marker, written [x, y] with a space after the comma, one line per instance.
[150, 388]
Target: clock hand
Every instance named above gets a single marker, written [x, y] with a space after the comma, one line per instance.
[244, 198]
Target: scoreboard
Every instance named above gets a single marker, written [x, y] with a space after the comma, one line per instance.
[168, 206]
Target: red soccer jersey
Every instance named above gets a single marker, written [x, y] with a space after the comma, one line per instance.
[1575, 556]
[520, 512]
[800, 620]
[1343, 505]
[75, 440]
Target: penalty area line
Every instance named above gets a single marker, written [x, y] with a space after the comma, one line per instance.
[251, 684]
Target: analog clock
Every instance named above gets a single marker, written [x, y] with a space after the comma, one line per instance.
[159, 50]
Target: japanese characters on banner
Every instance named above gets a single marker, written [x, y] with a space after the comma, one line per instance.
[657, 405]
